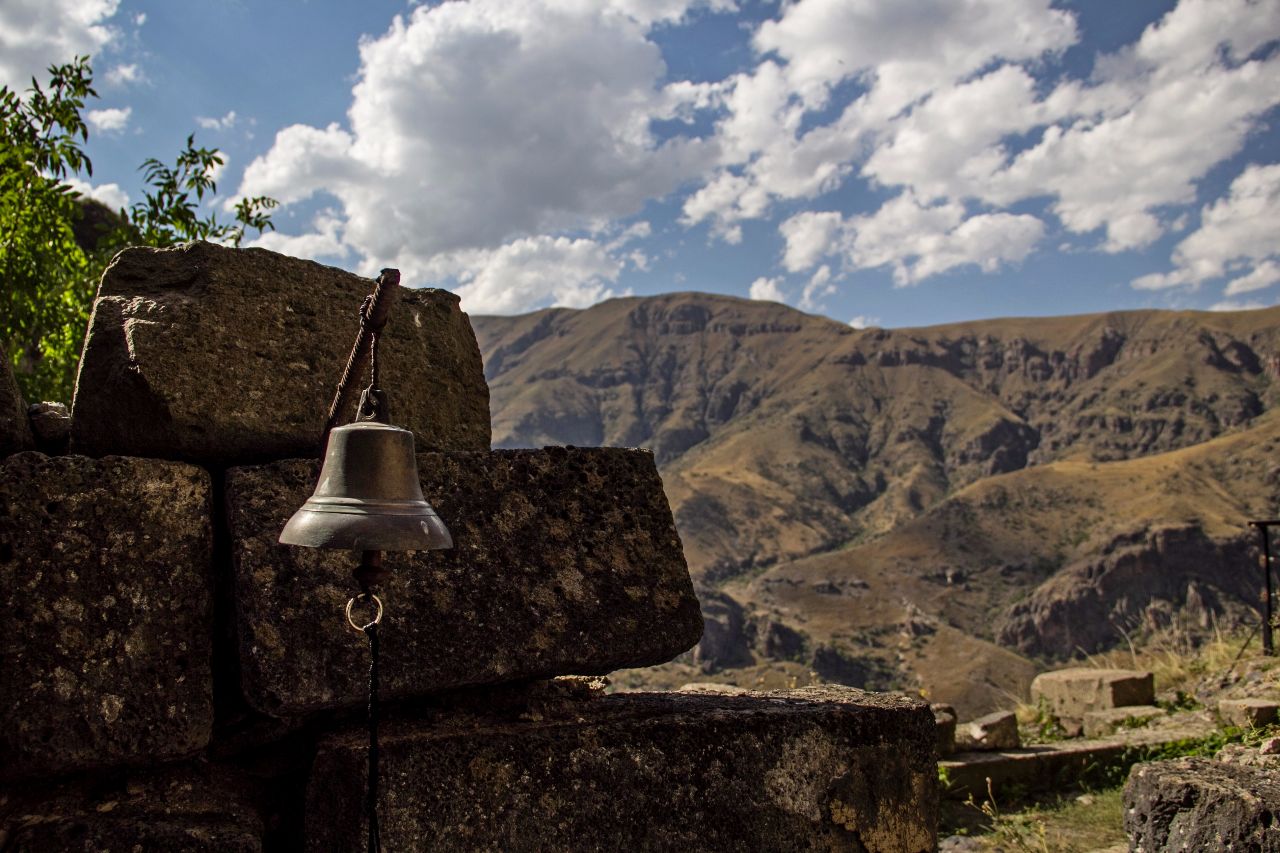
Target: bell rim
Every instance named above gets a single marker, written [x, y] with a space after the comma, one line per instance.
[359, 506]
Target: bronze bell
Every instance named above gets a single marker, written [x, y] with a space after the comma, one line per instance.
[368, 497]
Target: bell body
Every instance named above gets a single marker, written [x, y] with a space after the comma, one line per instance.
[369, 497]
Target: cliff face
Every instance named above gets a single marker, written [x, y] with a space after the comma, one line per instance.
[783, 436]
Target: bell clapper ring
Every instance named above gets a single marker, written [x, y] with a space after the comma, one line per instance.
[377, 617]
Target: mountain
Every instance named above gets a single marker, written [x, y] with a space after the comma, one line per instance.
[960, 486]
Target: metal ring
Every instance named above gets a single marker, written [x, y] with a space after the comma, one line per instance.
[377, 619]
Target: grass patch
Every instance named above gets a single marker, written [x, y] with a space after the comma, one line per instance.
[1061, 823]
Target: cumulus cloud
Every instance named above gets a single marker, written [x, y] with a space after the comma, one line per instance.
[767, 290]
[818, 287]
[1236, 305]
[124, 75]
[226, 122]
[863, 321]
[112, 120]
[484, 125]
[1237, 236]
[109, 194]
[529, 271]
[35, 34]
[323, 241]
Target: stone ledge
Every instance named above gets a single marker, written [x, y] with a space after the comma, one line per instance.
[816, 768]
[566, 561]
[1201, 804]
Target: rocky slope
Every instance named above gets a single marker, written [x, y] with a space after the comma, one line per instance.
[791, 444]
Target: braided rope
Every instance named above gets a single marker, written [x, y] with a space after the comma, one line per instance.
[374, 311]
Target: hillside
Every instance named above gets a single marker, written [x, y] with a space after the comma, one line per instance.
[833, 485]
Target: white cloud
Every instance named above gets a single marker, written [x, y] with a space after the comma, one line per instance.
[818, 287]
[767, 290]
[530, 272]
[324, 241]
[227, 122]
[1237, 236]
[863, 321]
[35, 34]
[1235, 305]
[111, 120]
[124, 75]
[109, 194]
[474, 125]
[810, 236]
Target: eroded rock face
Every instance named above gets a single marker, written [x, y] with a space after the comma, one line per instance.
[15, 432]
[226, 356]
[1200, 804]
[565, 561]
[189, 809]
[817, 768]
[105, 572]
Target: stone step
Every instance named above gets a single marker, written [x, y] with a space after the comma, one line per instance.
[816, 768]
[565, 561]
[1071, 693]
[1047, 766]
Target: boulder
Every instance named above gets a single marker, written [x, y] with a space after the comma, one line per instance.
[1250, 713]
[51, 426]
[224, 356]
[191, 809]
[565, 561]
[995, 731]
[1108, 721]
[1194, 804]
[816, 768]
[15, 432]
[105, 580]
[1069, 694]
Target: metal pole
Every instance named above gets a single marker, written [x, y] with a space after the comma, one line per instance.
[1268, 648]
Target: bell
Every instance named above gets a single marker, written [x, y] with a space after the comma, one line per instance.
[368, 497]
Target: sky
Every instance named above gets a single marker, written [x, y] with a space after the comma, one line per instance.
[882, 162]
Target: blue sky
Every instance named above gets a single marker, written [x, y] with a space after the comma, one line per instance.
[886, 162]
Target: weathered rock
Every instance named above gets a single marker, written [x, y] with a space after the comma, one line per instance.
[189, 809]
[105, 577]
[724, 642]
[1069, 694]
[15, 433]
[944, 716]
[51, 426]
[998, 730]
[817, 768]
[1248, 713]
[1110, 720]
[565, 561]
[1195, 804]
[219, 355]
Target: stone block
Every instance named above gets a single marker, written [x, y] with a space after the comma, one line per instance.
[229, 356]
[15, 431]
[824, 768]
[1248, 713]
[1200, 804]
[945, 718]
[565, 561]
[998, 730]
[51, 426]
[190, 809]
[105, 581]
[1069, 694]
[1111, 720]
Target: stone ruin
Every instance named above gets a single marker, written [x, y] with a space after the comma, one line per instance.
[174, 679]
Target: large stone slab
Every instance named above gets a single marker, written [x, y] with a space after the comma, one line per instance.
[1194, 804]
[105, 583]
[825, 768]
[219, 355]
[1069, 694]
[189, 809]
[15, 431]
[565, 561]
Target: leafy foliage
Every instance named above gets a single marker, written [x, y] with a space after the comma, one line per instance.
[49, 277]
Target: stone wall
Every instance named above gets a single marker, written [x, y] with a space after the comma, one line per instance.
[174, 679]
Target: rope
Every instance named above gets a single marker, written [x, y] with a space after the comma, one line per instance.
[373, 317]
[371, 790]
